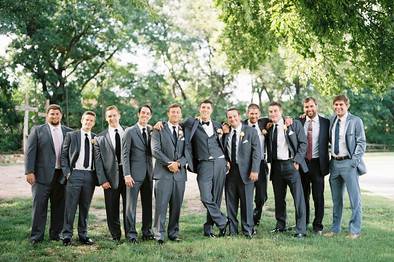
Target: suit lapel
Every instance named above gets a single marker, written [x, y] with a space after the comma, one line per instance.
[48, 128]
[139, 134]
[167, 129]
[78, 138]
[108, 138]
[194, 127]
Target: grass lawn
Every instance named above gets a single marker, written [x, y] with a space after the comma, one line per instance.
[376, 243]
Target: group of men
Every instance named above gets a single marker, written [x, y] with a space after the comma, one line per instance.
[64, 166]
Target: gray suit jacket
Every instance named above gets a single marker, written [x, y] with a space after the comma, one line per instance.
[355, 140]
[70, 152]
[296, 140]
[164, 151]
[40, 157]
[136, 156]
[248, 152]
[105, 160]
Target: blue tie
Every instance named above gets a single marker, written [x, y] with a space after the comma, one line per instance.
[336, 142]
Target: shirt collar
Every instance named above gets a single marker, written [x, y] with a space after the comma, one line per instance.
[83, 133]
[112, 129]
[141, 127]
[238, 129]
[315, 119]
[344, 117]
[250, 124]
[52, 126]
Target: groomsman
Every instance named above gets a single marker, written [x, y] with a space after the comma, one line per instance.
[77, 163]
[137, 170]
[110, 171]
[168, 148]
[260, 185]
[286, 147]
[348, 146]
[44, 174]
[244, 155]
[203, 136]
[316, 130]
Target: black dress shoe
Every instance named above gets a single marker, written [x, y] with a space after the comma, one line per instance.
[210, 235]
[278, 230]
[299, 235]
[175, 239]
[147, 237]
[35, 242]
[66, 241]
[160, 242]
[86, 241]
[54, 238]
[133, 240]
[223, 231]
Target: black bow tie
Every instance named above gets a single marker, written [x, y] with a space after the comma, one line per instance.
[205, 123]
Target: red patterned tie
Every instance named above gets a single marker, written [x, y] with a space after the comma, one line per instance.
[309, 138]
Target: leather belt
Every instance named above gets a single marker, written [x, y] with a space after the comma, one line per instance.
[340, 158]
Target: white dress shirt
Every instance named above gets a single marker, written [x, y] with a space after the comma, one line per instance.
[238, 130]
[81, 157]
[315, 134]
[57, 138]
[342, 137]
[261, 137]
[170, 127]
[112, 133]
[282, 147]
[208, 128]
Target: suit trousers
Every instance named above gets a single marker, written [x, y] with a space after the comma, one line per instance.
[41, 194]
[168, 192]
[284, 174]
[314, 180]
[261, 195]
[79, 192]
[112, 201]
[145, 188]
[239, 193]
[343, 174]
[211, 177]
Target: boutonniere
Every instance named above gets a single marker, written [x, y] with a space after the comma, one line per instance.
[180, 133]
[219, 131]
[241, 135]
[93, 141]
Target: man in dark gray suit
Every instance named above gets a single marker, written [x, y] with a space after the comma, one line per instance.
[203, 138]
[244, 155]
[169, 150]
[316, 130]
[137, 171]
[77, 160]
[348, 144]
[109, 170]
[44, 174]
[286, 146]
[261, 195]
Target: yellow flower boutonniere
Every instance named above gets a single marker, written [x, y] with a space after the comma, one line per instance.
[241, 135]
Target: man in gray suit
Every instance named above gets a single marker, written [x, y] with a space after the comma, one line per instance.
[77, 160]
[244, 155]
[286, 147]
[44, 174]
[348, 146]
[168, 148]
[137, 171]
[109, 170]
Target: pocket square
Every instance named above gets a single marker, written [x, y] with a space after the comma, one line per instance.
[182, 139]
[246, 141]
[291, 132]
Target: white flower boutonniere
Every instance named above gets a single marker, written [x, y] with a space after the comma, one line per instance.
[241, 135]
[180, 133]
[93, 141]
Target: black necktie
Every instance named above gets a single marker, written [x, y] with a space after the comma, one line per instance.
[174, 134]
[117, 145]
[205, 123]
[275, 143]
[234, 148]
[87, 152]
[336, 144]
[145, 136]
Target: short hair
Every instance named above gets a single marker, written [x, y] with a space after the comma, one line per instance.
[253, 106]
[308, 99]
[233, 109]
[147, 106]
[90, 113]
[276, 104]
[206, 101]
[113, 107]
[54, 107]
[173, 106]
[341, 98]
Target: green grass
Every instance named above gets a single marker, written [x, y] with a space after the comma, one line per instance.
[376, 243]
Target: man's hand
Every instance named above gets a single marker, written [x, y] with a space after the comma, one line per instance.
[106, 185]
[173, 167]
[158, 126]
[288, 121]
[129, 181]
[296, 165]
[254, 176]
[225, 128]
[31, 178]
